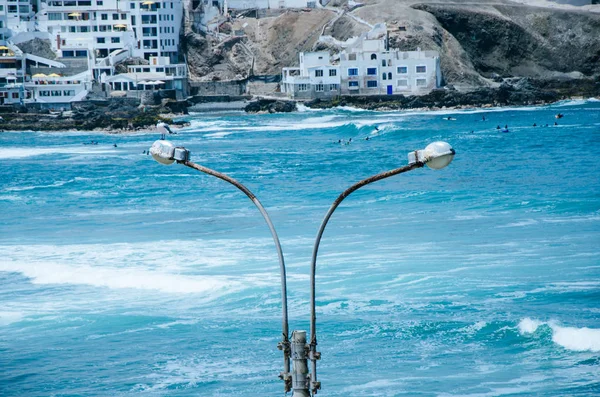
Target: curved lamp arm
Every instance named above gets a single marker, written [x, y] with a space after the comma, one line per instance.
[166, 153]
[437, 155]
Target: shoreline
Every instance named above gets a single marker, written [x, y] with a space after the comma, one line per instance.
[121, 116]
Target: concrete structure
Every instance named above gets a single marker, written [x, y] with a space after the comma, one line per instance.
[93, 29]
[315, 78]
[374, 69]
[90, 37]
[159, 74]
[366, 67]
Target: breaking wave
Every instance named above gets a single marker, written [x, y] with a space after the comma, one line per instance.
[571, 338]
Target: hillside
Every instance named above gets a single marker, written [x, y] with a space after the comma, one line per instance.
[478, 42]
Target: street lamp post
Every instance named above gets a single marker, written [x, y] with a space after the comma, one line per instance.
[166, 153]
[304, 383]
[436, 156]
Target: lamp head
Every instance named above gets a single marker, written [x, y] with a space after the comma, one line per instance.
[436, 155]
[166, 153]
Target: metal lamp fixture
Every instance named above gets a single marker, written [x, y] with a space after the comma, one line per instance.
[166, 153]
[436, 155]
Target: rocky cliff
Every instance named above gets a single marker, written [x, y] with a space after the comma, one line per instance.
[479, 43]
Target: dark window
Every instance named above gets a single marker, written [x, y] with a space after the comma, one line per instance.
[372, 71]
[353, 72]
[372, 84]
[373, 56]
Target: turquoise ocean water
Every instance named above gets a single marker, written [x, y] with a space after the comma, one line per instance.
[120, 276]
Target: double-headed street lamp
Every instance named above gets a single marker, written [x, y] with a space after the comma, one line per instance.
[436, 156]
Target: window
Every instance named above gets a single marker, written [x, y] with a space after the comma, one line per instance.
[373, 57]
[421, 69]
[100, 40]
[318, 73]
[115, 40]
[15, 95]
[332, 72]
[302, 87]
[389, 75]
[81, 53]
[68, 54]
[371, 84]
[104, 17]
[383, 62]
[402, 69]
[372, 71]
[123, 17]
[353, 72]
[319, 88]
[100, 2]
[132, 6]
[334, 87]
[352, 57]
[353, 85]
[421, 82]
[54, 16]
[115, 17]
[403, 83]
[384, 76]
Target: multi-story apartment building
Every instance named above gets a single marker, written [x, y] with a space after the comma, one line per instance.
[368, 67]
[94, 29]
[17, 16]
[315, 78]
[372, 68]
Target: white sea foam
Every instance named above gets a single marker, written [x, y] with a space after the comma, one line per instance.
[7, 318]
[121, 278]
[24, 152]
[166, 266]
[528, 326]
[571, 338]
[525, 222]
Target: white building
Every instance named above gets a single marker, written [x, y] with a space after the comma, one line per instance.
[366, 67]
[160, 74]
[93, 29]
[372, 68]
[55, 90]
[315, 78]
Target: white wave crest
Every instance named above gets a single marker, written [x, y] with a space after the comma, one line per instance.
[7, 318]
[122, 278]
[571, 338]
[23, 152]
[529, 326]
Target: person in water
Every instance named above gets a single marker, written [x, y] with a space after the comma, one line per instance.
[498, 127]
[367, 138]
[482, 118]
[534, 124]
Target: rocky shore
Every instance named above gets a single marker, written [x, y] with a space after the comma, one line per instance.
[113, 116]
[521, 92]
[125, 115]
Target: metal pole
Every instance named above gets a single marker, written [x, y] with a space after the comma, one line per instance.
[314, 355]
[284, 345]
[300, 368]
